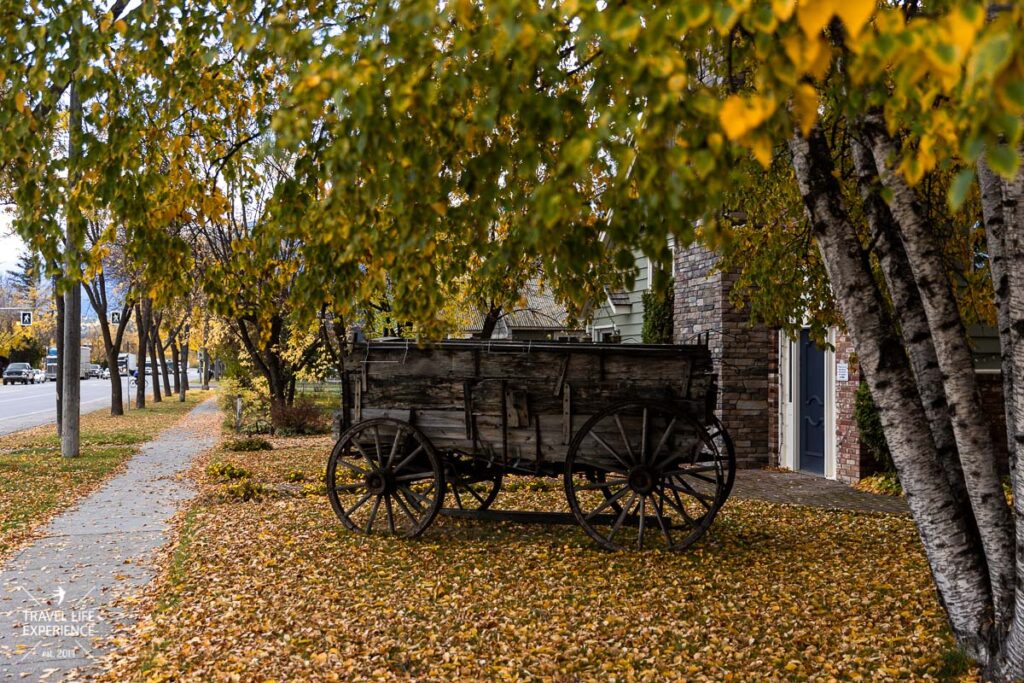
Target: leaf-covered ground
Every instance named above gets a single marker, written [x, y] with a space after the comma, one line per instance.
[276, 589]
[36, 483]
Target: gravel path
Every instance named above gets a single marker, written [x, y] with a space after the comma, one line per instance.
[56, 595]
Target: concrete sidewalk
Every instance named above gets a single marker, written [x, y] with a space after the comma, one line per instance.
[56, 595]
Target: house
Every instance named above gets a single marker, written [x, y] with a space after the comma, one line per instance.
[620, 316]
[787, 402]
[539, 317]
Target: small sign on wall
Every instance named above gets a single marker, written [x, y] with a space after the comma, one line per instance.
[842, 372]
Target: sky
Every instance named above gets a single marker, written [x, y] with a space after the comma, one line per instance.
[10, 245]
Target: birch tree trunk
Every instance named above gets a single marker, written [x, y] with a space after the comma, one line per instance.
[1011, 664]
[970, 423]
[994, 213]
[959, 573]
[913, 322]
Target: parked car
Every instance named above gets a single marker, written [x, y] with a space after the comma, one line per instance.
[105, 374]
[95, 371]
[19, 372]
[40, 376]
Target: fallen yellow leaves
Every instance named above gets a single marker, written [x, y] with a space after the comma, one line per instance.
[278, 590]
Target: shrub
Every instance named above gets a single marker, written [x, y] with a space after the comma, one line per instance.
[295, 476]
[226, 470]
[244, 489]
[657, 324]
[318, 488]
[248, 444]
[885, 483]
[869, 424]
[302, 417]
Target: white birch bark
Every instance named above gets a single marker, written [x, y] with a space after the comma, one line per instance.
[958, 570]
[970, 423]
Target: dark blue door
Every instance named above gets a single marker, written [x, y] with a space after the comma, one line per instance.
[812, 406]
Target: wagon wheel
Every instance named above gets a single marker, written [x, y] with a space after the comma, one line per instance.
[472, 486]
[384, 474]
[723, 442]
[656, 477]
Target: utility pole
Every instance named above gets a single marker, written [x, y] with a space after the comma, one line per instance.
[72, 358]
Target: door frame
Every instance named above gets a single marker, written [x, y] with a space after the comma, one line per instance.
[789, 401]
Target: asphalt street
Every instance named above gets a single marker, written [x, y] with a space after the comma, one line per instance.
[28, 405]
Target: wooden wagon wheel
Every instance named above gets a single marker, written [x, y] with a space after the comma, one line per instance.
[474, 493]
[643, 473]
[384, 474]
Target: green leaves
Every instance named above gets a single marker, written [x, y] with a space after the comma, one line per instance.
[1003, 160]
[959, 188]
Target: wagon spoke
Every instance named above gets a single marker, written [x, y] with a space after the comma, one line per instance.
[476, 495]
[394, 447]
[664, 439]
[414, 498]
[690, 491]
[352, 466]
[625, 441]
[373, 514]
[640, 529]
[458, 498]
[608, 502]
[418, 496]
[643, 437]
[416, 451]
[373, 466]
[391, 514]
[406, 510]
[621, 518]
[609, 449]
[358, 505]
[376, 443]
[661, 520]
[678, 506]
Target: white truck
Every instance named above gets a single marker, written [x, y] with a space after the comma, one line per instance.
[127, 363]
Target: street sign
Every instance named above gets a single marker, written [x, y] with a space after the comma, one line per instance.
[115, 318]
[26, 318]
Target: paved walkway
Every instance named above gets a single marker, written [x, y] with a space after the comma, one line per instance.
[56, 595]
[797, 488]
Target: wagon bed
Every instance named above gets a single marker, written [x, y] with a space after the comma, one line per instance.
[629, 428]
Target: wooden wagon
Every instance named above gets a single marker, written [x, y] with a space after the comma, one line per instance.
[630, 430]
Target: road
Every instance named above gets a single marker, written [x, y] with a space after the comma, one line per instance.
[28, 405]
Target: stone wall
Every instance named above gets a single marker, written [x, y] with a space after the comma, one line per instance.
[744, 355]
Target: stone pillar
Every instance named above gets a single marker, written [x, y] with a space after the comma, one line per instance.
[744, 355]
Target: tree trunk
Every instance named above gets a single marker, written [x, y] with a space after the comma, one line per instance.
[71, 396]
[142, 317]
[116, 399]
[1011, 661]
[490, 322]
[59, 334]
[176, 363]
[913, 322]
[970, 424]
[994, 211]
[157, 398]
[162, 358]
[958, 571]
[183, 370]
